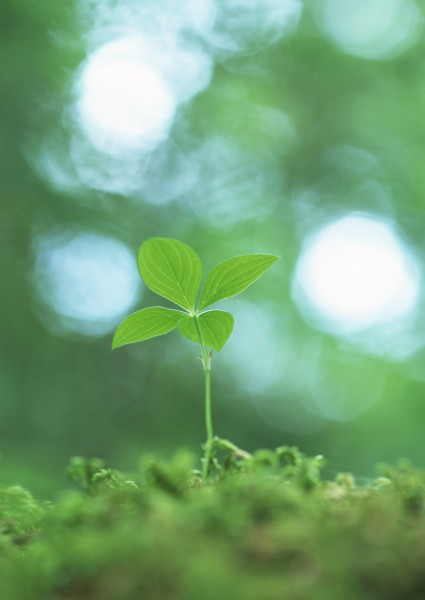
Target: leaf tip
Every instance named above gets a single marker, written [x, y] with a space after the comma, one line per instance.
[117, 340]
[272, 259]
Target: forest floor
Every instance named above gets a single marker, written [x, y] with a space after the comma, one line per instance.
[263, 527]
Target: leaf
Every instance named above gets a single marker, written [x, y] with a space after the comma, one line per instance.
[233, 276]
[145, 324]
[171, 269]
[216, 327]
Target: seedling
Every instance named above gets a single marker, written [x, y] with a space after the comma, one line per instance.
[173, 270]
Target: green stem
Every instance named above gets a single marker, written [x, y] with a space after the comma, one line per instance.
[206, 361]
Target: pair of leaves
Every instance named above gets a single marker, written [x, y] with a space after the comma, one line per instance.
[216, 326]
[174, 271]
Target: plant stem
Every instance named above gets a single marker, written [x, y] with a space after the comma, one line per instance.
[206, 361]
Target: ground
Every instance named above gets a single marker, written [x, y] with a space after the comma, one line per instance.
[263, 527]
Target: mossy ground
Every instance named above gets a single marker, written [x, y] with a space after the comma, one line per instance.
[265, 527]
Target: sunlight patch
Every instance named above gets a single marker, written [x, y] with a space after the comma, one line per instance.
[355, 274]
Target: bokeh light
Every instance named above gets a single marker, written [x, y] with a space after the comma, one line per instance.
[124, 102]
[86, 282]
[371, 29]
[356, 273]
[127, 95]
[232, 182]
[254, 352]
[130, 90]
[247, 26]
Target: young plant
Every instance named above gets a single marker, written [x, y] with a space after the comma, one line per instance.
[173, 270]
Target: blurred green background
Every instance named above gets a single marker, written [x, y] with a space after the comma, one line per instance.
[277, 126]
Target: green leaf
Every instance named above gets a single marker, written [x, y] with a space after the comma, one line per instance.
[145, 324]
[233, 276]
[171, 269]
[216, 327]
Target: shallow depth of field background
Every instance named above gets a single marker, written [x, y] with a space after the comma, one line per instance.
[281, 126]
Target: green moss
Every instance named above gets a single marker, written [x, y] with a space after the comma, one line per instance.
[267, 527]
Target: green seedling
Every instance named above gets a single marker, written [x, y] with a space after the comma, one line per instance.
[173, 270]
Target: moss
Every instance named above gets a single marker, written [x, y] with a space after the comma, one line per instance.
[266, 527]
